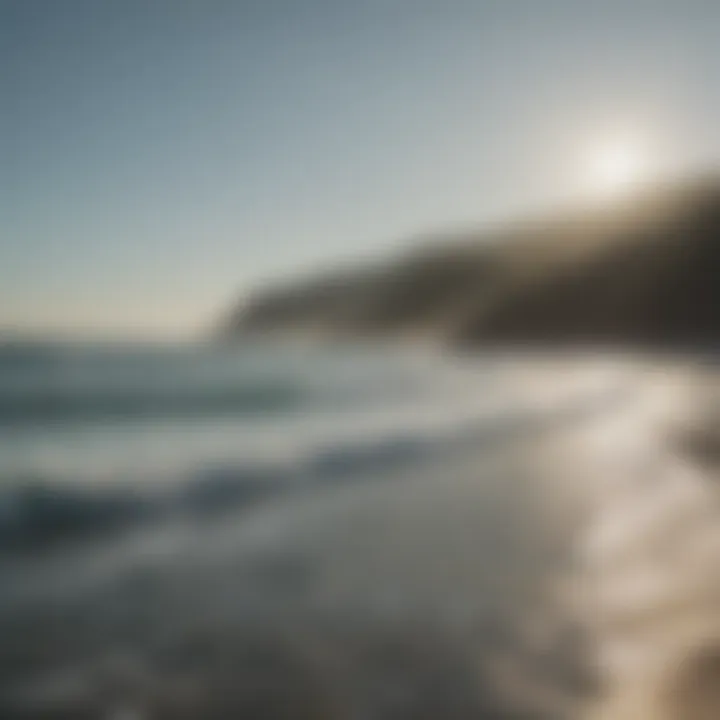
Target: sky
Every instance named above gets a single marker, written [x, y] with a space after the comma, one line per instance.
[161, 158]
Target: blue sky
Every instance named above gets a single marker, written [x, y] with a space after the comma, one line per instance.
[160, 157]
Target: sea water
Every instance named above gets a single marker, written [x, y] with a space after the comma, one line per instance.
[151, 428]
[279, 531]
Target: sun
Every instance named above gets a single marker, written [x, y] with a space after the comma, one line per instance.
[615, 166]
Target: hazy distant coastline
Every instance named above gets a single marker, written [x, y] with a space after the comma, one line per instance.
[640, 270]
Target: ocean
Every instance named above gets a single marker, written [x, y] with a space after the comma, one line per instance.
[283, 532]
[99, 437]
[96, 438]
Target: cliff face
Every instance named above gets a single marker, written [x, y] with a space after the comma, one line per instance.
[643, 271]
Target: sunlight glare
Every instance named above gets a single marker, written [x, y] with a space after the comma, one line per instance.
[613, 167]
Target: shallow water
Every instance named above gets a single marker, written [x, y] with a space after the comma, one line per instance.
[486, 546]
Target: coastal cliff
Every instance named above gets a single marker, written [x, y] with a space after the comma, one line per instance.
[643, 269]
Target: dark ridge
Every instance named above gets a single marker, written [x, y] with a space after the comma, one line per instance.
[641, 272]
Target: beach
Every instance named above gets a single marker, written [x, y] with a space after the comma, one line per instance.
[483, 580]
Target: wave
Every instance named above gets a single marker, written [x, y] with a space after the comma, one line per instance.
[62, 406]
[41, 513]
[44, 384]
